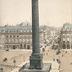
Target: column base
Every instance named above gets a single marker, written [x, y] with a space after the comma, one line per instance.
[36, 61]
[46, 68]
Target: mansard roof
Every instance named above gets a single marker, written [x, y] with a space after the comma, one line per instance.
[18, 28]
[67, 27]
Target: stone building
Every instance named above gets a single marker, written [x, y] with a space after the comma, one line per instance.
[65, 41]
[19, 36]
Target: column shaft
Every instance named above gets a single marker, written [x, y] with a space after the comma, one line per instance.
[36, 57]
[35, 27]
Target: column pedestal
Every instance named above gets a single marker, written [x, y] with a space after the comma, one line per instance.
[46, 67]
[36, 61]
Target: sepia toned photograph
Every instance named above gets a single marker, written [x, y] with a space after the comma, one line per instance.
[35, 35]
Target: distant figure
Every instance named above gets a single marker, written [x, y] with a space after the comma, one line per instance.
[53, 59]
[71, 63]
[43, 50]
[5, 59]
[62, 55]
[1, 69]
[66, 52]
[58, 61]
[14, 61]
[48, 50]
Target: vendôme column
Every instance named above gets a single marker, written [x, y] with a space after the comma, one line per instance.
[36, 57]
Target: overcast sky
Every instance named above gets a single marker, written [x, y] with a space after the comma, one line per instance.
[51, 12]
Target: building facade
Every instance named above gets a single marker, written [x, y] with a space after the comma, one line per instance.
[20, 36]
[66, 36]
[17, 37]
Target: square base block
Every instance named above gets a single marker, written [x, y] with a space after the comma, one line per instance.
[46, 68]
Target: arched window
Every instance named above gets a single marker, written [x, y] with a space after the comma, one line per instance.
[68, 45]
[14, 47]
[63, 45]
[25, 45]
[10, 36]
[28, 46]
[21, 46]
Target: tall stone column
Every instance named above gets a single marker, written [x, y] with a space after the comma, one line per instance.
[0, 12]
[36, 64]
[36, 57]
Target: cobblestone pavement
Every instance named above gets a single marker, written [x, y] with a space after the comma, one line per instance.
[11, 59]
[20, 56]
[65, 58]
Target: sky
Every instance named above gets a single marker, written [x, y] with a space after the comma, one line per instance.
[51, 12]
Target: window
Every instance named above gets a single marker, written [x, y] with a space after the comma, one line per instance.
[14, 36]
[24, 45]
[21, 46]
[17, 36]
[7, 36]
[10, 36]
[63, 45]
[68, 45]
[14, 47]
[28, 46]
